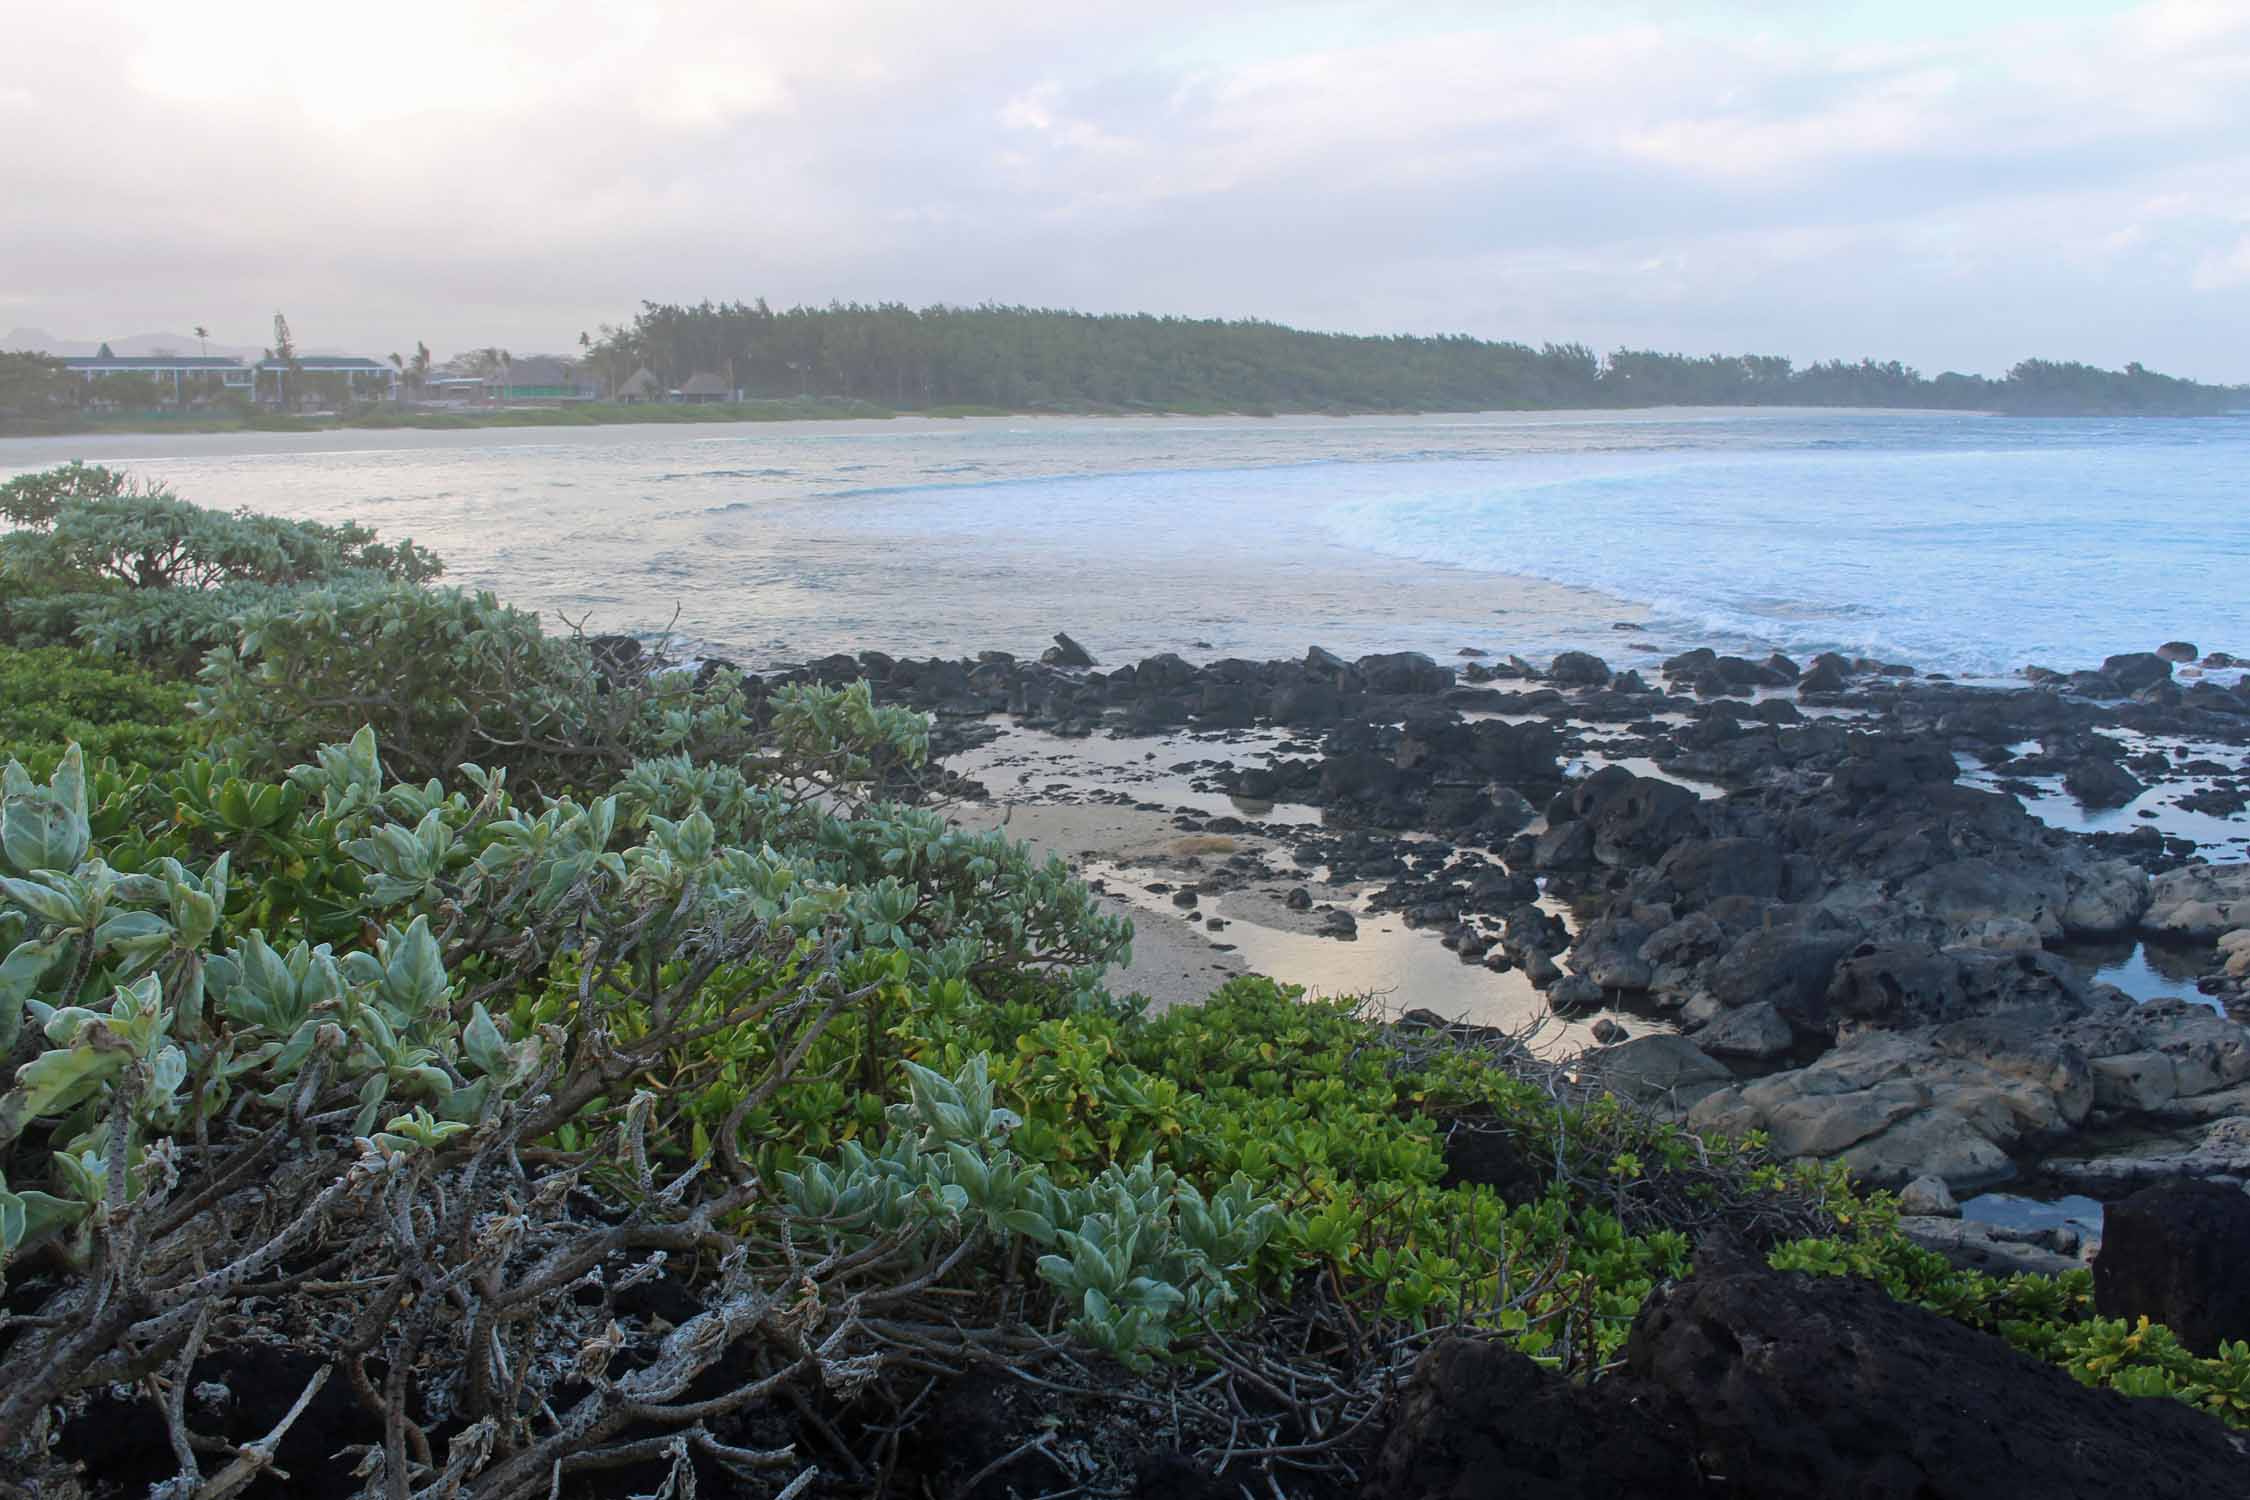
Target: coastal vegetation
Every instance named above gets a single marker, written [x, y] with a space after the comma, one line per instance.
[1023, 358]
[853, 360]
[512, 1063]
[63, 416]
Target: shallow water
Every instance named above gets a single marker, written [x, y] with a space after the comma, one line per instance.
[2015, 1211]
[1966, 543]
[2145, 970]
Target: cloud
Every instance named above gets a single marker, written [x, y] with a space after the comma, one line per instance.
[512, 175]
[2225, 269]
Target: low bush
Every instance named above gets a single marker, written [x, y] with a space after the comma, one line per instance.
[85, 526]
[223, 1089]
[90, 557]
[58, 696]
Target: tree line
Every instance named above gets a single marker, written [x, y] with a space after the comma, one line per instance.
[1044, 359]
[1027, 358]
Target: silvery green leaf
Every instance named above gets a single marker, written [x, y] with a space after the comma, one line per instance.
[45, 828]
[481, 1039]
[19, 977]
[1061, 1272]
[55, 1080]
[371, 1096]
[969, 1171]
[83, 1174]
[414, 970]
[44, 1213]
[45, 900]
[1152, 1295]
[132, 932]
[168, 1071]
[1033, 1226]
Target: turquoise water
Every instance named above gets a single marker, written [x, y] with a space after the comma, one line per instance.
[1963, 543]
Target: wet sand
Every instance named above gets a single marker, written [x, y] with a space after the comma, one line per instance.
[1112, 809]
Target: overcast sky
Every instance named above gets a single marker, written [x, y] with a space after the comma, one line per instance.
[1956, 184]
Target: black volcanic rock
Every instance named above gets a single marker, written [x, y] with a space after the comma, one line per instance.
[2135, 670]
[1400, 673]
[2099, 782]
[1798, 1385]
[2179, 1254]
[1480, 1420]
[1743, 1383]
[1066, 652]
[1578, 669]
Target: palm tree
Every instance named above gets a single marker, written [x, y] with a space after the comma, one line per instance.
[284, 350]
[399, 365]
[203, 339]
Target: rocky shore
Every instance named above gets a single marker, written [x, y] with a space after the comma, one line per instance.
[1838, 902]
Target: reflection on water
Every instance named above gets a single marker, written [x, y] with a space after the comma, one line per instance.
[2014, 1211]
[2146, 970]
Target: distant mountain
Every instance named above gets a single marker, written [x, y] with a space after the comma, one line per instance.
[43, 342]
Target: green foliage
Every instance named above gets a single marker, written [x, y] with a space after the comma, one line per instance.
[85, 526]
[54, 697]
[454, 677]
[1137, 1254]
[966, 359]
[89, 556]
[445, 672]
[603, 413]
[1315, 1110]
[303, 867]
[34, 388]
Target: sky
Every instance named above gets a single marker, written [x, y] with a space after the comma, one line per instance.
[1955, 183]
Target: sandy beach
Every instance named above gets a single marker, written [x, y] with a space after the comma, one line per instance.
[1125, 815]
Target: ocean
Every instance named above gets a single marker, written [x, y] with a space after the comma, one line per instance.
[1969, 544]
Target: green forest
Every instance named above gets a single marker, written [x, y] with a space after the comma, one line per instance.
[1024, 358]
[874, 360]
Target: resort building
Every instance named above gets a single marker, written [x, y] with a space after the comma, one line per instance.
[344, 376]
[453, 388]
[183, 379]
[175, 378]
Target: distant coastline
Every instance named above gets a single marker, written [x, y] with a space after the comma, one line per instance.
[747, 362]
[838, 409]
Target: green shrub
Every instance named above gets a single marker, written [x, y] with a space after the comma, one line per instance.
[55, 697]
[195, 1029]
[453, 677]
[84, 526]
[91, 557]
